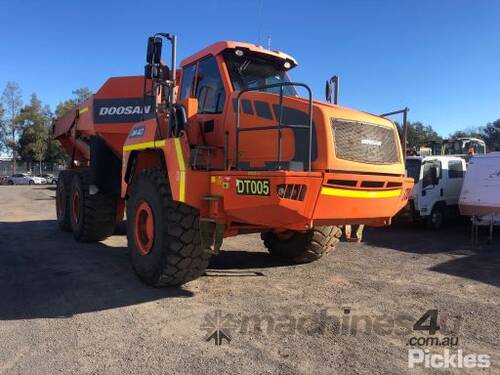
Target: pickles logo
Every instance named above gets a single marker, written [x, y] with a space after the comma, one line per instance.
[252, 187]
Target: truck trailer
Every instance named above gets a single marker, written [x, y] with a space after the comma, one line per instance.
[222, 146]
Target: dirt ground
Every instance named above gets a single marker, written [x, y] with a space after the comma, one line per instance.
[69, 307]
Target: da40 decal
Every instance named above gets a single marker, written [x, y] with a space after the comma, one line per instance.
[253, 187]
[137, 132]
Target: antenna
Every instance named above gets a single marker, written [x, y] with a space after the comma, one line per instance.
[261, 4]
[269, 41]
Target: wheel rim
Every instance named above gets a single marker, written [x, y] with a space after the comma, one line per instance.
[76, 207]
[144, 228]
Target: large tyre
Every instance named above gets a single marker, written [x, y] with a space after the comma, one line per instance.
[93, 217]
[302, 247]
[62, 200]
[163, 235]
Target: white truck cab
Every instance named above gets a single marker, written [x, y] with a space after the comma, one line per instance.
[438, 181]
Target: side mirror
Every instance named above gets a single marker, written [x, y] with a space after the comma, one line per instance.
[151, 50]
[328, 91]
[157, 54]
[153, 53]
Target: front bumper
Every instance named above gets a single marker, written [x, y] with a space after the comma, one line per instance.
[329, 199]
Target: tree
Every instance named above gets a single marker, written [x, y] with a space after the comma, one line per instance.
[12, 102]
[421, 135]
[1, 127]
[470, 132]
[79, 96]
[34, 121]
[491, 135]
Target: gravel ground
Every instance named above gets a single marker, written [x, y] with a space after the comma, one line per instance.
[68, 307]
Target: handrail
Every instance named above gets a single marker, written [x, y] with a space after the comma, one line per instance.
[280, 125]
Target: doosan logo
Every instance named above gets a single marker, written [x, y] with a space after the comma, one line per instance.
[371, 142]
[125, 110]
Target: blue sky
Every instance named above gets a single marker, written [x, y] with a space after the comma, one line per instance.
[440, 58]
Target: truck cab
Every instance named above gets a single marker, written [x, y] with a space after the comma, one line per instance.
[438, 181]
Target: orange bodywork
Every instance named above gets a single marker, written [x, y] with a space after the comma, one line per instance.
[337, 190]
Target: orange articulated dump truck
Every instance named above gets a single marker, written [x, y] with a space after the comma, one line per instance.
[220, 147]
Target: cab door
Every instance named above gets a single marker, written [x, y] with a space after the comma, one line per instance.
[202, 80]
[209, 91]
[432, 186]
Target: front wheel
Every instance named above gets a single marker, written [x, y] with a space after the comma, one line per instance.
[31, 182]
[163, 235]
[436, 219]
[302, 247]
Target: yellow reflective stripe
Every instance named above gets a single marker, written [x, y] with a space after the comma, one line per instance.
[144, 145]
[160, 143]
[360, 193]
[83, 110]
[182, 170]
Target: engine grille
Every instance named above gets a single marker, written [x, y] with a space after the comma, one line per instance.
[363, 142]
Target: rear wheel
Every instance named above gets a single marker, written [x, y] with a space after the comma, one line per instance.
[163, 235]
[92, 216]
[302, 247]
[62, 200]
[31, 182]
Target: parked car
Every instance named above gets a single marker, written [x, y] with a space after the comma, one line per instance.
[49, 179]
[438, 181]
[24, 179]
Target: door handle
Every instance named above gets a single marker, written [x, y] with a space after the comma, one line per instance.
[441, 192]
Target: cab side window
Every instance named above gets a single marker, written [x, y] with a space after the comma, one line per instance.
[209, 89]
[187, 81]
[455, 169]
[428, 176]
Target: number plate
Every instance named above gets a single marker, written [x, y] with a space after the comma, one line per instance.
[253, 187]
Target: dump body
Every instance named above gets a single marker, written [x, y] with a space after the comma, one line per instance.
[108, 114]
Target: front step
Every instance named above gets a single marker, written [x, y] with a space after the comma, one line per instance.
[212, 235]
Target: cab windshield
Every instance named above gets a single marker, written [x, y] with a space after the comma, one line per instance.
[253, 70]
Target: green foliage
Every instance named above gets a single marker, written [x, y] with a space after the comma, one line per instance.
[421, 135]
[35, 142]
[79, 96]
[34, 121]
[491, 135]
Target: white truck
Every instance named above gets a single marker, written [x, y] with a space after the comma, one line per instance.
[438, 181]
